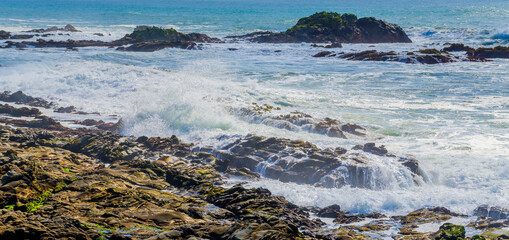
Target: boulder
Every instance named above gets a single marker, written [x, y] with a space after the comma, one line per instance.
[336, 28]
[493, 212]
[4, 35]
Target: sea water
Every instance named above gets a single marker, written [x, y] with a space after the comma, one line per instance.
[454, 117]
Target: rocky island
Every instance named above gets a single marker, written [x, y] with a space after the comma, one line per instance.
[334, 27]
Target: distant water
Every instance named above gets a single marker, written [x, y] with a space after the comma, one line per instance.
[453, 117]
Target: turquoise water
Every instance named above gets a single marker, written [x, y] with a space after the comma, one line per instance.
[453, 117]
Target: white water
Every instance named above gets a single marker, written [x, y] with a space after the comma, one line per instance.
[453, 117]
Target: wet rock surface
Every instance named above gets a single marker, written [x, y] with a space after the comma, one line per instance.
[96, 184]
[297, 121]
[143, 39]
[334, 27]
[424, 56]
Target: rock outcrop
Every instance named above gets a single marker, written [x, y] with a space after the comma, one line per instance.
[496, 52]
[67, 28]
[94, 184]
[297, 121]
[336, 28]
[304, 162]
[4, 35]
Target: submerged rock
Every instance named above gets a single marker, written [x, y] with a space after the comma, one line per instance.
[334, 27]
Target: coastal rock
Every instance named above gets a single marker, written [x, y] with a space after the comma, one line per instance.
[297, 121]
[334, 27]
[4, 35]
[153, 46]
[332, 211]
[22, 36]
[456, 47]
[19, 112]
[492, 212]
[303, 162]
[144, 33]
[496, 52]
[20, 98]
[67, 28]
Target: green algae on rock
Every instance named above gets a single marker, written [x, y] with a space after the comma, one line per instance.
[334, 27]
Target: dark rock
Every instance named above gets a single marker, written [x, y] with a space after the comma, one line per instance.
[426, 56]
[19, 112]
[332, 211]
[69, 109]
[152, 46]
[334, 27]
[99, 34]
[4, 35]
[67, 28]
[371, 148]
[457, 47]
[161, 34]
[323, 54]
[22, 36]
[496, 52]
[449, 231]
[21, 98]
[493, 212]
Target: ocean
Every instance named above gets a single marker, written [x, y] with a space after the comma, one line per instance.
[454, 117]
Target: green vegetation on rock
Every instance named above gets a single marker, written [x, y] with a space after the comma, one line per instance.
[449, 231]
[154, 33]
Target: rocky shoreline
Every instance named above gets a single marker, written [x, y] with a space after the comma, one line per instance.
[425, 56]
[92, 183]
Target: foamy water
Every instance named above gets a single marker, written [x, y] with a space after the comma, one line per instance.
[453, 117]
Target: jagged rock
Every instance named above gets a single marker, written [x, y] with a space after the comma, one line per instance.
[493, 212]
[334, 27]
[21, 98]
[303, 162]
[297, 121]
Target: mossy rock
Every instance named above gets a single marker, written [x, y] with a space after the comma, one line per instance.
[449, 231]
[155, 33]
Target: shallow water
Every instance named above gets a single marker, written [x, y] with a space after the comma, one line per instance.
[453, 117]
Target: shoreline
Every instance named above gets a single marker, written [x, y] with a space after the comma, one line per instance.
[191, 174]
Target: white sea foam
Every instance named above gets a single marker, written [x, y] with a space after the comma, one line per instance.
[453, 117]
